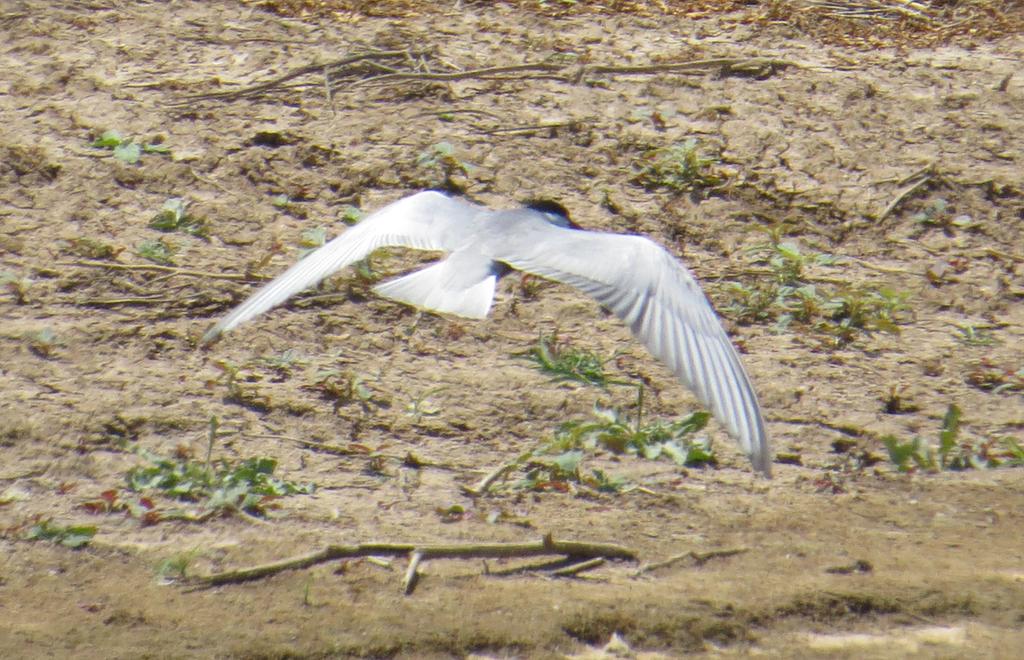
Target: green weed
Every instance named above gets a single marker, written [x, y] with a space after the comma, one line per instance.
[174, 216]
[444, 164]
[91, 248]
[555, 464]
[176, 567]
[421, 406]
[785, 297]
[936, 214]
[43, 343]
[996, 378]
[952, 452]
[158, 251]
[563, 363]
[126, 149]
[351, 215]
[971, 335]
[680, 168]
[70, 536]
[211, 486]
[342, 388]
[216, 486]
[17, 285]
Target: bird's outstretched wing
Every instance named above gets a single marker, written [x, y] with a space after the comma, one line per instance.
[426, 220]
[663, 306]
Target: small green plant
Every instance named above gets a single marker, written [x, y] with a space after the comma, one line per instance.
[176, 567]
[220, 485]
[284, 363]
[174, 216]
[212, 486]
[996, 378]
[240, 389]
[563, 363]
[18, 286]
[158, 251]
[91, 248]
[441, 159]
[554, 464]
[785, 297]
[311, 239]
[952, 453]
[613, 430]
[680, 168]
[43, 343]
[971, 335]
[70, 536]
[1015, 453]
[421, 406]
[351, 215]
[937, 214]
[342, 388]
[126, 149]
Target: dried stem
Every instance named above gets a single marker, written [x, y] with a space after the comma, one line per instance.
[419, 553]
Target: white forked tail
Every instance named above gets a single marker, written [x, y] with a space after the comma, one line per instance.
[433, 289]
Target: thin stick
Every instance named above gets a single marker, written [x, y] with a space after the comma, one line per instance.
[546, 546]
[487, 72]
[675, 67]
[485, 484]
[291, 75]
[904, 194]
[699, 558]
[115, 302]
[164, 269]
[412, 575]
[579, 567]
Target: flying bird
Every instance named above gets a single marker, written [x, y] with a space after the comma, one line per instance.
[638, 280]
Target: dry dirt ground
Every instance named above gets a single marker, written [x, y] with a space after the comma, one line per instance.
[841, 554]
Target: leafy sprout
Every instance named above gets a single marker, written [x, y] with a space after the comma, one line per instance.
[442, 158]
[43, 343]
[556, 463]
[17, 285]
[174, 216]
[248, 486]
[126, 150]
[564, 363]
[952, 452]
[971, 335]
[311, 239]
[785, 297]
[679, 168]
[158, 251]
[70, 536]
[351, 215]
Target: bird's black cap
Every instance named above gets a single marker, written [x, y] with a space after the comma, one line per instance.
[552, 208]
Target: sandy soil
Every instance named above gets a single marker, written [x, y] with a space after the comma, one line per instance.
[820, 148]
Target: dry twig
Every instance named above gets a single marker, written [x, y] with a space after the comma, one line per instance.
[699, 559]
[920, 179]
[164, 269]
[369, 69]
[419, 553]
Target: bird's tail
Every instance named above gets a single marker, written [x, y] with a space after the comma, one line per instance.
[444, 288]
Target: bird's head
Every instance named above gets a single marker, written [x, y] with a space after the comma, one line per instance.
[553, 212]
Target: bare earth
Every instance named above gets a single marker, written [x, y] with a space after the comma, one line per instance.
[824, 145]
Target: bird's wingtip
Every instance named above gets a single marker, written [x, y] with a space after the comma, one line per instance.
[211, 337]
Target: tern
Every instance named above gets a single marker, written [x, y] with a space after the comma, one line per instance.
[638, 280]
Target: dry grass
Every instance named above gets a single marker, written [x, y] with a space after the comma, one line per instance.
[857, 23]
